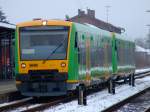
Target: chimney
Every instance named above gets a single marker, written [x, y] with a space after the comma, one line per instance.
[91, 13]
[80, 12]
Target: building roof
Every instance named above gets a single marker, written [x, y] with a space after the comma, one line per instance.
[90, 19]
[7, 30]
[141, 49]
[7, 25]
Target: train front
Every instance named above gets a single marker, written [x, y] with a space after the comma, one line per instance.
[41, 64]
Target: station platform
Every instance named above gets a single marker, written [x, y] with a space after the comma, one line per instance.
[7, 86]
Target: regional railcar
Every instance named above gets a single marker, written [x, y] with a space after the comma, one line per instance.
[54, 56]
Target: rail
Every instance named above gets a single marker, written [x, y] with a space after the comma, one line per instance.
[42, 106]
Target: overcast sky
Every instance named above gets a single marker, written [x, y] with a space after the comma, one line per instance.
[129, 14]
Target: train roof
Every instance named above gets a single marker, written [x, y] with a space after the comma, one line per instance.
[95, 30]
[80, 27]
[39, 22]
[92, 29]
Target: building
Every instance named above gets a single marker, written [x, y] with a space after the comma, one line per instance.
[89, 18]
[6, 50]
[142, 57]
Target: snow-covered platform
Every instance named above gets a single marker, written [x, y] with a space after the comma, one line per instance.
[7, 86]
[101, 100]
[142, 70]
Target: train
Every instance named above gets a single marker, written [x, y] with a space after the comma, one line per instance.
[53, 57]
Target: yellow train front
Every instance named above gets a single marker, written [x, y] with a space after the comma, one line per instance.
[42, 57]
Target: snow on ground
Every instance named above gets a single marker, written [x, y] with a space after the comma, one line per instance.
[102, 100]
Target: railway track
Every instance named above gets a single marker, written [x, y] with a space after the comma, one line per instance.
[124, 103]
[27, 105]
[49, 104]
[31, 104]
[14, 104]
[142, 74]
[147, 109]
[139, 104]
[120, 104]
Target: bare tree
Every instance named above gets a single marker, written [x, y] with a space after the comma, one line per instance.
[2, 16]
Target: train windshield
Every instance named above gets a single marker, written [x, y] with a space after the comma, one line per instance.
[44, 43]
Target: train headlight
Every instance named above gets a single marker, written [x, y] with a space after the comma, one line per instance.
[63, 64]
[44, 22]
[23, 65]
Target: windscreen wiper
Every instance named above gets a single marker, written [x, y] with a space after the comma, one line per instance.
[54, 50]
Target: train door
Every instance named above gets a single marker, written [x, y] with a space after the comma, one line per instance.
[82, 56]
[88, 60]
[106, 57]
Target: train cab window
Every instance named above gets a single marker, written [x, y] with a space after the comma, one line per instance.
[44, 42]
[116, 45]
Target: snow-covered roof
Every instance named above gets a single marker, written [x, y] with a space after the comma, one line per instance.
[90, 25]
[7, 25]
[140, 49]
[148, 51]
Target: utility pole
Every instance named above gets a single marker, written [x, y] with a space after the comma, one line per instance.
[148, 32]
[148, 41]
[107, 12]
[147, 10]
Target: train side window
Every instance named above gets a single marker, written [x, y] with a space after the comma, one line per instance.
[91, 38]
[83, 37]
[76, 40]
[115, 45]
